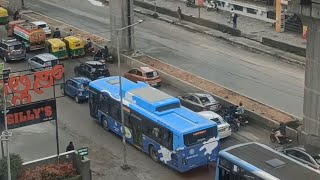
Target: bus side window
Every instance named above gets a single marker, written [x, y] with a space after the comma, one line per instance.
[127, 119]
[105, 103]
[115, 110]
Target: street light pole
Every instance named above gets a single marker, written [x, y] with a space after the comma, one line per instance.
[6, 135]
[124, 165]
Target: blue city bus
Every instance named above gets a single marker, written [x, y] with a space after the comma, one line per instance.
[255, 161]
[155, 122]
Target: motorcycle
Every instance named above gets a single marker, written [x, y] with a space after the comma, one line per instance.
[234, 122]
[89, 51]
[190, 3]
[283, 139]
[243, 119]
[212, 6]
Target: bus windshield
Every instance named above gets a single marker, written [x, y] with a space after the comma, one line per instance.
[199, 136]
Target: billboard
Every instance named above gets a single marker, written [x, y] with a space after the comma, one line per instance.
[29, 114]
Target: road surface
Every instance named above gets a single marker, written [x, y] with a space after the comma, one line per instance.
[258, 76]
[105, 149]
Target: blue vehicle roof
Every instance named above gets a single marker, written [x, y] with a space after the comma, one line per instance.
[147, 100]
[81, 80]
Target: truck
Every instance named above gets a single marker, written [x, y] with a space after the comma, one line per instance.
[33, 37]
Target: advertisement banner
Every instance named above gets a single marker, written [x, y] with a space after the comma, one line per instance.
[29, 114]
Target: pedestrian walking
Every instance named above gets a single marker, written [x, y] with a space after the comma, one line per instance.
[70, 147]
[16, 15]
[234, 20]
[179, 13]
[56, 33]
[70, 33]
[231, 16]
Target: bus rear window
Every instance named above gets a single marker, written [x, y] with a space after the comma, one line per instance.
[199, 136]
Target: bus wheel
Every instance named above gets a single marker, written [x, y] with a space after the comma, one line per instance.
[153, 153]
[105, 123]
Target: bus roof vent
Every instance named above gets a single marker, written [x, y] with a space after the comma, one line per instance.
[275, 163]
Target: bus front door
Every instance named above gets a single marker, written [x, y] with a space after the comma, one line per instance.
[136, 123]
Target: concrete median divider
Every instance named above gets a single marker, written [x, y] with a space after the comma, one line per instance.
[190, 18]
[284, 46]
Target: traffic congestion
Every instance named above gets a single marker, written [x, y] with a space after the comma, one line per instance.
[183, 131]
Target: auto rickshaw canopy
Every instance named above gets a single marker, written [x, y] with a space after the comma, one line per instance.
[74, 42]
[56, 44]
[3, 12]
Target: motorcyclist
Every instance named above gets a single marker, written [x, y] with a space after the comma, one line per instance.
[56, 33]
[88, 45]
[105, 52]
[240, 110]
[98, 56]
[16, 15]
[280, 132]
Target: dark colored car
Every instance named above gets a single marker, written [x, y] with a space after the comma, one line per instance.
[11, 49]
[144, 74]
[76, 88]
[200, 102]
[92, 70]
[301, 155]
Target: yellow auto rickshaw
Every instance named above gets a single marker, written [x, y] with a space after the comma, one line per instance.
[4, 17]
[58, 48]
[75, 46]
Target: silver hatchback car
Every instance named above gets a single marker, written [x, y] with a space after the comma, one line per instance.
[42, 61]
[300, 154]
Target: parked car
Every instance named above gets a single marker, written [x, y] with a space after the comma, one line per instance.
[11, 49]
[76, 88]
[200, 102]
[43, 25]
[300, 154]
[223, 127]
[92, 70]
[42, 61]
[145, 74]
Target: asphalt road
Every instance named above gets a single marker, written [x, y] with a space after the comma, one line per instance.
[105, 149]
[258, 76]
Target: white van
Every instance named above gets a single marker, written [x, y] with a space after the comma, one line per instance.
[43, 25]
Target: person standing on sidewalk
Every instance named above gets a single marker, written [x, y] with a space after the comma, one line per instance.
[234, 20]
[70, 147]
[70, 33]
[179, 13]
[231, 16]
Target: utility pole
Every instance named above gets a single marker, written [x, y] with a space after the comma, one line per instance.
[6, 134]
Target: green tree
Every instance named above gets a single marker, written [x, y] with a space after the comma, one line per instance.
[15, 166]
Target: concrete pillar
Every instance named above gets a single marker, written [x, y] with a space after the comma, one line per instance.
[311, 108]
[121, 15]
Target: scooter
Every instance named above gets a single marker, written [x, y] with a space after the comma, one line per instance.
[212, 6]
[283, 140]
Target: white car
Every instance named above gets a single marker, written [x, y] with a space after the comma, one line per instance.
[43, 25]
[223, 127]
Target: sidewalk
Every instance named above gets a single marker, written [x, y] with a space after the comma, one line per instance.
[252, 28]
[250, 44]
